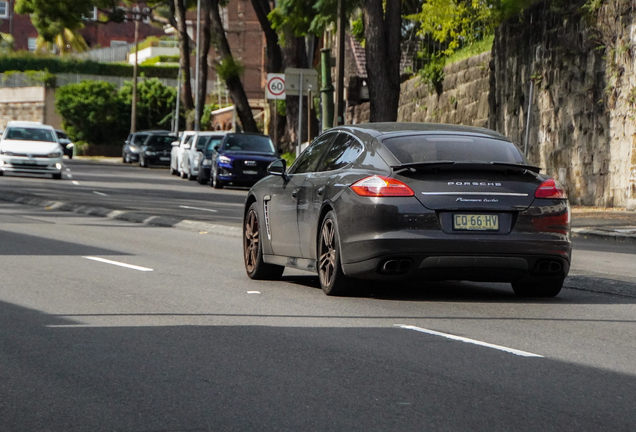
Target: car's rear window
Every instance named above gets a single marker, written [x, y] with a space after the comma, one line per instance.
[249, 143]
[434, 148]
[30, 134]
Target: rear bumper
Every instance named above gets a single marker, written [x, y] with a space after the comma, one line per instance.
[483, 268]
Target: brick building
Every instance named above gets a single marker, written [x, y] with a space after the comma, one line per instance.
[95, 34]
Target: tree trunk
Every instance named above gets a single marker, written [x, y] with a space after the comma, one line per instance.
[382, 34]
[233, 81]
[295, 57]
[274, 61]
[184, 57]
[203, 58]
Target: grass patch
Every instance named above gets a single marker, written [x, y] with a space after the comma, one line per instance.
[471, 50]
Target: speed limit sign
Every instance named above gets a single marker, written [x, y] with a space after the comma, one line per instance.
[275, 86]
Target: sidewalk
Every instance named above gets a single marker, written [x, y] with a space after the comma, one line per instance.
[605, 223]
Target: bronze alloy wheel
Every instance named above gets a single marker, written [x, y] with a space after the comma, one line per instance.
[327, 254]
[332, 279]
[250, 241]
[255, 267]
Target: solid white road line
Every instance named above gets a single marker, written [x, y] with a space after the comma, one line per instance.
[99, 193]
[198, 208]
[470, 341]
[120, 264]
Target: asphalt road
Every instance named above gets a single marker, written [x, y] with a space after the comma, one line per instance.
[128, 187]
[114, 326]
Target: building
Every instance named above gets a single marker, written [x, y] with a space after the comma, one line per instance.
[96, 34]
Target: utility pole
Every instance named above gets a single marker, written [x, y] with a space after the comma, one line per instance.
[133, 116]
[339, 117]
[326, 90]
[197, 119]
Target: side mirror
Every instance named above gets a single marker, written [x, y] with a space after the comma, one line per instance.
[175, 143]
[278, 168]
[217, 147]
[186, 146]
[127, 142]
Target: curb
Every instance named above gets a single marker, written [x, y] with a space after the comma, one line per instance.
[603, 235]
[123, 215]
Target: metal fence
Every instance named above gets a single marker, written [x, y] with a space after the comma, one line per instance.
[112, 54]
[39, 79]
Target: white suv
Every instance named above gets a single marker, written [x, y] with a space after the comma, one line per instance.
[193, 154]
[178, 147]
[30, 147]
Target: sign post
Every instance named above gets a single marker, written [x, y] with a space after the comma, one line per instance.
[275, 89]
[300, 82]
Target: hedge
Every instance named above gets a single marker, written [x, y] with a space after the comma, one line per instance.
[28, 62]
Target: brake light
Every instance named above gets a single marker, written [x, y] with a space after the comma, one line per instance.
[380, 186]
[550, 189]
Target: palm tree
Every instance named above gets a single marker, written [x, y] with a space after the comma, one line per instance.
[66, 41]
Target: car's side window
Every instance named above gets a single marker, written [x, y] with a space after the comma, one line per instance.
[308, 160]
[201, 142]
[344, 151]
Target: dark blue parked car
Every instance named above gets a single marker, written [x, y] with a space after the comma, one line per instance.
[241, 159]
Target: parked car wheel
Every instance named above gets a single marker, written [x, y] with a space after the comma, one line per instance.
[217, 183]
[255, 267]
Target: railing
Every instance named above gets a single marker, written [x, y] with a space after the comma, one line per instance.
[111, 54]
[40, 79]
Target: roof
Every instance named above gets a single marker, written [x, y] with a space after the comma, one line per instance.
[29, 124]
[398, 128]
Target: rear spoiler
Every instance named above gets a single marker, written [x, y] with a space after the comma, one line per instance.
[463, 166]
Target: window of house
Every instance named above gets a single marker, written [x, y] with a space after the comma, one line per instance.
[146, 16]
[31, 44]
[4, 9]
[91, 17]
[115, 43]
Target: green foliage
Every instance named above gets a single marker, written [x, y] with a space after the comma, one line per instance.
[433, 73]
[457, 23]
[95, 112]
[161, 59]
[472, 50]
[50, 17]
[155, 104]
[35, 78]
[289, 157]
[229, 67]
[6, 43]
[302, 17]
[206, 117]
[281, 107]
[91, 112]
[24, 61]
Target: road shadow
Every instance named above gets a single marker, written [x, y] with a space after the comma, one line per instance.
[60, 374]
[576, 290]
[16, 244]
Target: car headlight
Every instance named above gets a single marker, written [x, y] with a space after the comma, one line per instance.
[225, 160]
[206, 162]
[70, 146]
[134, 149]
[150, 153]
[55, 154]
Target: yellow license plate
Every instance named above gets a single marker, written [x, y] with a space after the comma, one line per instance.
[474, 222]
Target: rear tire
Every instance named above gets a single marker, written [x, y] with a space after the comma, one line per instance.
[332, 279]
[255, 267]
[538, 287]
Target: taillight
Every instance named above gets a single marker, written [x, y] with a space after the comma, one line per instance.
[380, 186]
[550, 189]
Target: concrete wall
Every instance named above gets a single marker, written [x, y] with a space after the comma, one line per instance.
[28, 104]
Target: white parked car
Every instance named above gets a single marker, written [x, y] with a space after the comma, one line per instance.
[193, 155]
[176, 153]
[30, 147]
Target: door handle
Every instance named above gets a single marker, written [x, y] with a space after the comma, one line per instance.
[294, 193]
[320, 190]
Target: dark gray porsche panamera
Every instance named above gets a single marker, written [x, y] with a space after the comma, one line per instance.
[393, 201]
